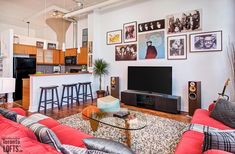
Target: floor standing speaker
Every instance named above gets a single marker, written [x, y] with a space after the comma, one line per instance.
[115, 87]
[194, 96]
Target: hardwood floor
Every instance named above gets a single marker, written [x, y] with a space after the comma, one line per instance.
[64, 112]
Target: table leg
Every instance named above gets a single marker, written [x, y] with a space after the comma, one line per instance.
[94, 125]
[128, 134]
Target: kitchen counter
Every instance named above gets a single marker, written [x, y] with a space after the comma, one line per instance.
[56, 79]
[55, 74]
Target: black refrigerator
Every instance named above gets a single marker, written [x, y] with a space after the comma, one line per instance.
[22, 67]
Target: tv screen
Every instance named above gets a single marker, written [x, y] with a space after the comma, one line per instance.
[150, 79]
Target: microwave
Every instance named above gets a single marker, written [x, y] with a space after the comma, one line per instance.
[70, 60]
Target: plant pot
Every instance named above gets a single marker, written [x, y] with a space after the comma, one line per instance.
[100, 93]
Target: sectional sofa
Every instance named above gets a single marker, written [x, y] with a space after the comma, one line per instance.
[27, 141]
[192, 141]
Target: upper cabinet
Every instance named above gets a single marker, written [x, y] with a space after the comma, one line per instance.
[24, 49]
[82, 56]
[49, 57]
[62, 54]
[71, 52]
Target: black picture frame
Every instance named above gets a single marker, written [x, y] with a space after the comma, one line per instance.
[115, 34]
[51, 46]
[130, 32]
[210, 41]
[177, 47]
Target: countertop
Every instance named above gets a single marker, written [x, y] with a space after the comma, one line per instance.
[56, 74]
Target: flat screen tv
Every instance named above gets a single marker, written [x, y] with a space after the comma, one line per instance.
[150, 79]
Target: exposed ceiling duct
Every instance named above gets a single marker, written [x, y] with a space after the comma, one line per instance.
[60, 26]
[91, 8]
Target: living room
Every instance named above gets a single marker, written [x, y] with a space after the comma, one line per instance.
[104, 29]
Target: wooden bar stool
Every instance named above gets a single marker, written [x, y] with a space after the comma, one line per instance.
[70, 97]
[46, 101]
[84, 93]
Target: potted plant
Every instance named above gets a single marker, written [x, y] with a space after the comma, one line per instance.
[100, 69]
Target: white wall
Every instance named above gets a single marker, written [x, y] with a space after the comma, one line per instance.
[46, 33]
[209, 68]
[17, 30]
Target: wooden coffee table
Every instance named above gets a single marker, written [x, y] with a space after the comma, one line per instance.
[128, 123]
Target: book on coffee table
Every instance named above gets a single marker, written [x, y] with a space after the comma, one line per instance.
[121, 114]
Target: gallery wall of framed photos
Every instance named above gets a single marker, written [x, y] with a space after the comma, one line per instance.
[181, 33]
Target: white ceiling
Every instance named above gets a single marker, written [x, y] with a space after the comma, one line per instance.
[18, 12]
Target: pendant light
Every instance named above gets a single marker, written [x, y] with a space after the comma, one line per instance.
[63, 44]
[45, 45]
[45, 42]
[63, 47]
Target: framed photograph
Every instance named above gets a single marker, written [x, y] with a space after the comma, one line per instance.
[206, 41]
[177, 47]
[152, 25]
[187, 21]
[114, 37]
[51, 46]
[39, 44]
[90, 60]
[90, 46]
[152, 45]
[130, 32]
[126, 52]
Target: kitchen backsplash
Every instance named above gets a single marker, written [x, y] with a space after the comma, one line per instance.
[46, 69]
[68, 68]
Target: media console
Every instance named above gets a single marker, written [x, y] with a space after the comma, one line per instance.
[155, 101]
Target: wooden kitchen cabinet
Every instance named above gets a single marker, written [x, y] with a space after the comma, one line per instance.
[48, 57]
[40, 56]
[62, 54]
[26, 93]
[82, 56]
[24, 49]
[56, 57]
[71, 52]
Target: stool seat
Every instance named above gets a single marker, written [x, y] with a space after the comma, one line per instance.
[108, 104]
[69, 85]
[49, 87]
[84, 82]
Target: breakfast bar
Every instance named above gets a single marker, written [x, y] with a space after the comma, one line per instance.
[55, 79]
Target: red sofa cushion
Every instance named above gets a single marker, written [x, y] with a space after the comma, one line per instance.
[211, 107]
[192, 141]
[10, 128]
[28, 141]
[49, 122]
[201, 116]
[71, 136]
[19, 111]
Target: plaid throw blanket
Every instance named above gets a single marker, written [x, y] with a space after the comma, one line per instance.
[215, 138]
[201, 128]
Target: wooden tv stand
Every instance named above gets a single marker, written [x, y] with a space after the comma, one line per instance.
[155, 101]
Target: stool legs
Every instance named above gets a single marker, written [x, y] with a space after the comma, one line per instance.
[91, 93]
[40, 100]
[79, 86]
[46, 101]
[69, 99]
[85, 91]
[52, 99]
[56, 91]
